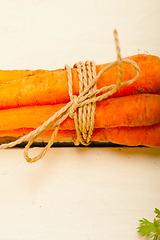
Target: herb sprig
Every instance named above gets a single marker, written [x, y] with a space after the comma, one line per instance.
[151, 229]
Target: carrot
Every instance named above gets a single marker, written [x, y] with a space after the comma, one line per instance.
[12, 134]
[134, 110]
[134, 136]
[158, 92]
[129, 136]
[10, 75]
[52, 87]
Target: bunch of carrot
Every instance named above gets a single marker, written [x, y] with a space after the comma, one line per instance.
[130, 117]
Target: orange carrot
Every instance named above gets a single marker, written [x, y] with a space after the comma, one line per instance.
[10, 75]
[129, 136]
[12, 134]
[51, 87]
[158, 92]
[134, 136]
[133, 110]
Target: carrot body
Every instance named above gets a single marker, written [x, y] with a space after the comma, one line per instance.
[51, 87]
[134, 110]
[144, 135]
[158, 92]
[129, 136]
[10, 75]
[12, 134]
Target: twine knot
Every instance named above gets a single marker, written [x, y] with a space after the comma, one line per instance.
[74, 106]
[81, 107]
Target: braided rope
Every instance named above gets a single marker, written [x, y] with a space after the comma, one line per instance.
[81, 107]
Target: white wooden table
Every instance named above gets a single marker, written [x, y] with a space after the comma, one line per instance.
[76, 193]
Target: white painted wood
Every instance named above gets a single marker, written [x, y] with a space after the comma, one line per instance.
[84, 193]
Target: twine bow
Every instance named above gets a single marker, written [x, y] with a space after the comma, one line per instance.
[81, 107]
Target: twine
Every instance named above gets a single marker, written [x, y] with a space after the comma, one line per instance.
[81, 107]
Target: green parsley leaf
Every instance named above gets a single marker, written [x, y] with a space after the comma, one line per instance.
[151, 229]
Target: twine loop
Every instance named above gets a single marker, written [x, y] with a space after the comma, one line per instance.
[82, 107]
